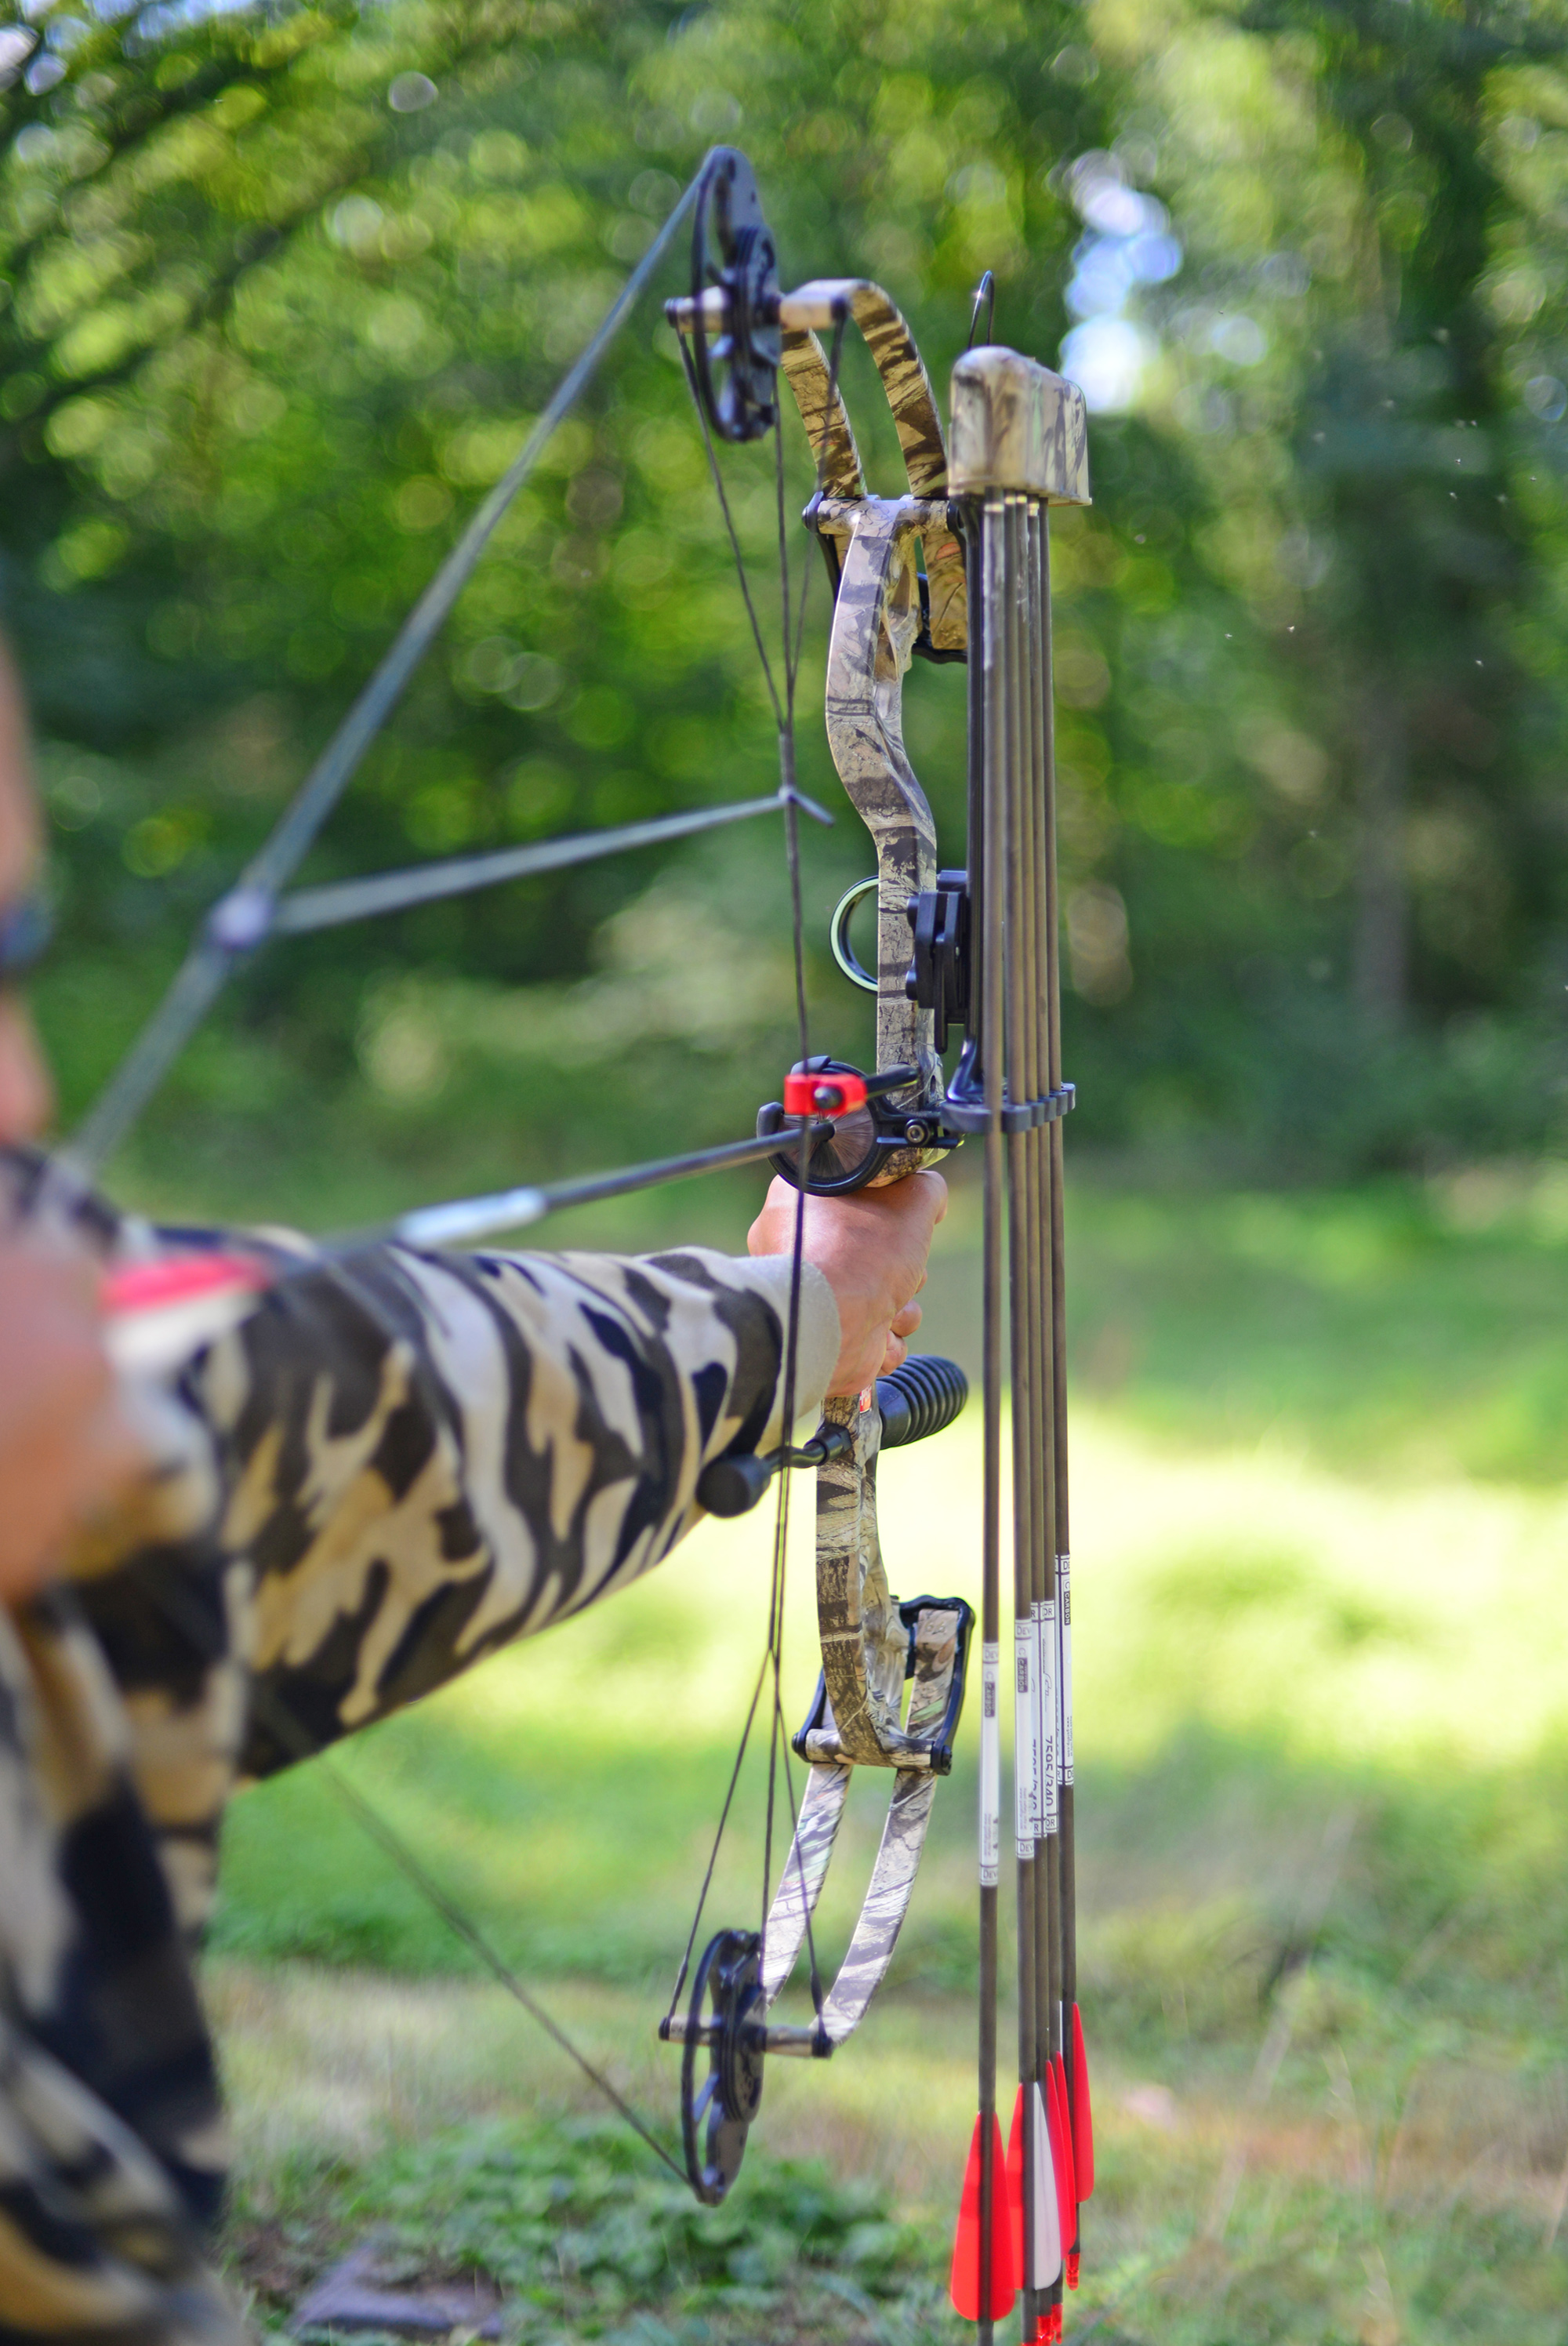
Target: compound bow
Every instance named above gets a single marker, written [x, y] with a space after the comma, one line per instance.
[983, 944]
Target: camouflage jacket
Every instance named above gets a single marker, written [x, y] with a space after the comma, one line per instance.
[401, 1461]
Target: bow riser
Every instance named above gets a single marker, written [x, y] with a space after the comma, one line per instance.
[876, 620]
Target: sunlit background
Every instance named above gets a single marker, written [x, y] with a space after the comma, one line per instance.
[284, 289]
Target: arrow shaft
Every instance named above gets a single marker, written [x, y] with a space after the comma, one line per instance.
[1061, 1542]
[986, 863]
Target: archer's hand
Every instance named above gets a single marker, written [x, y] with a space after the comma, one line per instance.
[871, 1247]
[66, 1449]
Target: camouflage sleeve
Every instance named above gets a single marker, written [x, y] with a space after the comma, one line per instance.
[400, 1462]
[428, 1456]
[112, 2146]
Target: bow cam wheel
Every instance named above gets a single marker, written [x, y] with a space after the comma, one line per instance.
[732, 248]
[716, 2114]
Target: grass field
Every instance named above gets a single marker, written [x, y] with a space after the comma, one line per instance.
[1322, 1668]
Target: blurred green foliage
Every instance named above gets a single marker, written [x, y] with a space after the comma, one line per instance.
[586, 2242]
[569, 2222]
[1269, 1637]
[284, 290]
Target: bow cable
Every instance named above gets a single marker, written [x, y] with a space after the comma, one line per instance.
[282, 1722]
[205, 970]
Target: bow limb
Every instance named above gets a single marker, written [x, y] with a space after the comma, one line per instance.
[916, 419]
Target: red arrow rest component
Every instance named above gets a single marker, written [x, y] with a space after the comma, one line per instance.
[823, 1095]
[1061, 2153]
[1083, 2114]
[999, 2265]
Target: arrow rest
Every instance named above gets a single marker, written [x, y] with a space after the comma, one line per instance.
[864, 1142]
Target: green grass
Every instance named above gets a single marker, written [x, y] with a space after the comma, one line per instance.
[1320, 1588]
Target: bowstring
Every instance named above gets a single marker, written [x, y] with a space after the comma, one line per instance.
[779, 1745]
[784, 716]
[792, 639]
[268, 1708]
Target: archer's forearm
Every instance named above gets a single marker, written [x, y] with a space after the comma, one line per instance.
[430, 1455]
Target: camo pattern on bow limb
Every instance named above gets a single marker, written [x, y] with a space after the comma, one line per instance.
[887, 1900]
[400, 1462]
[825, 417]
[111, 2140]
[907, 386]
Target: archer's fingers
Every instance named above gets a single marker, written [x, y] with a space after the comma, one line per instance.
[894, 1357]
[906, 1321]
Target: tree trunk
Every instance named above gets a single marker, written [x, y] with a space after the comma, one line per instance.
[1380, 972]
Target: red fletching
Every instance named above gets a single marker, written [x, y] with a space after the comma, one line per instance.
[1061, 2157]
[1069, 2163]
[1083, 2114]
[1069, 2261]
[971, 2258]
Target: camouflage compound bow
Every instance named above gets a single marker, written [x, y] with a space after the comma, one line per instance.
[956, 569]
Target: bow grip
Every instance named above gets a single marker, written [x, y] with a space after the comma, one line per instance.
[919, 1398]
